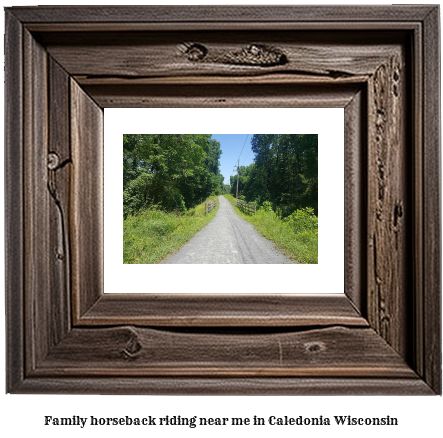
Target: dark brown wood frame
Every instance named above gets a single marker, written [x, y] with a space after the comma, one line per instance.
[64, 65]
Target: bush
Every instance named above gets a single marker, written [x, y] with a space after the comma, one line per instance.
[303, 219]
[267, 206]
[296, 236]
[134, 199]
[153, 233]
[174, 201]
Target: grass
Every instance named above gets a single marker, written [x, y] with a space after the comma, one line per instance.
[153, 235]
[300, 246]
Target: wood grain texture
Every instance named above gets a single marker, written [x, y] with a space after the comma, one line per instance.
[66, 64]
[355, 187]
[431, 321]
[174, 385]
[47, 304]
[274, 78]
[232, 26]
[38, 304]
[239, 310]
[227, 14]
[86, 200]
[59, 181]
[14, 239]
[388, 204]
[417, 199]
[169, 54]
[226, 96]
[129, 351]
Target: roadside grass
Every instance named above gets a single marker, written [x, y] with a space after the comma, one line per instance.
[300, 245]
[152, 235]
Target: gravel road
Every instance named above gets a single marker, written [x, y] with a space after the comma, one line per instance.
[228, 239]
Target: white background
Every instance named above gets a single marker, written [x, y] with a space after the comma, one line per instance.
[328, 123]
[22, 415]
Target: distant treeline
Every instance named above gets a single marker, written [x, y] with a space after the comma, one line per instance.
[284, 172]
[173, 171]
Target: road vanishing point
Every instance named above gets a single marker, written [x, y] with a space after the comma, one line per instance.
[228, 239]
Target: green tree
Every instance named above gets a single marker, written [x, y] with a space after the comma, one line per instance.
[174, 171]
[284, 172]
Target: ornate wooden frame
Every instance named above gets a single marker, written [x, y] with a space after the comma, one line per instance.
[64, 65]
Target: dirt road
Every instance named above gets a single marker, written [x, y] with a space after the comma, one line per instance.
[228, 239]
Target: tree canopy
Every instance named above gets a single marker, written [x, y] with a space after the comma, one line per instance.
[173, 171]
[284, 172]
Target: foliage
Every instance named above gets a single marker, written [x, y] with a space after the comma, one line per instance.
[303, 220]
[284, 172]
[297, 237]
[267, 206]
[174, 171]
[154, 234]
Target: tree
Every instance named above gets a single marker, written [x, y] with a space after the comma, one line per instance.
[284, 172]
[174, 171]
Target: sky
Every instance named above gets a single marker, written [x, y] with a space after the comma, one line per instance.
[231, 146]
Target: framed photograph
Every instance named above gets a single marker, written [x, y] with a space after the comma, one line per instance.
[65, 65]
[248, 262]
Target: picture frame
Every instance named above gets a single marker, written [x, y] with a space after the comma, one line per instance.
[65, 64]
